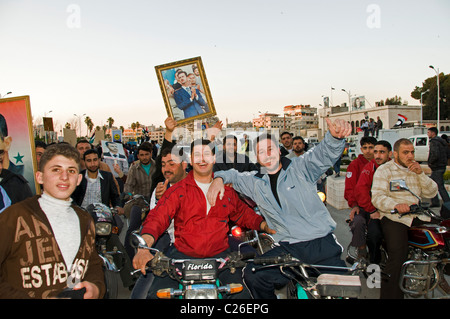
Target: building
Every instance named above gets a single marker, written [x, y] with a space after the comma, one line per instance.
[303, 118]
[272, 121]
[389, 115]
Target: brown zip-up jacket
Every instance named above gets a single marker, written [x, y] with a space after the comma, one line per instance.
[138, 181]
[31, 263]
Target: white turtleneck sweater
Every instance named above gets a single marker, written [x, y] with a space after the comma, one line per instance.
[65, 225]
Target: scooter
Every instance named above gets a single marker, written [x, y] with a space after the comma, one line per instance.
[198, 278]
[116, 263]
[429, 250]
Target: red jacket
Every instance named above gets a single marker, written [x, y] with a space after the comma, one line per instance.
[353, 172]
[364, 185]
[198, 234]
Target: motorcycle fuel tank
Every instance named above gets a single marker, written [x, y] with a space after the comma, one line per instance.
[429, 236]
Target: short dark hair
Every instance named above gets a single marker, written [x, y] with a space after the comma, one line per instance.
[229, 137]
[174, 150]
[3, 127]
[368, 140]
[298, 138]
[262, 137]
[385, 144]
[434, 130]
[63, 149]
[146, 147]
[83, 141]
[203, 142]
[39, 143]
[286, 132]
[91, 151]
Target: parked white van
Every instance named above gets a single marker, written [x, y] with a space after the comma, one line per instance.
[421, 146]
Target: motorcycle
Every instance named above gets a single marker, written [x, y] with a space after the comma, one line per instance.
[429, 250]
[303, 285]
[198, 278]
[258, 240]
[307, 281]
[116, 263]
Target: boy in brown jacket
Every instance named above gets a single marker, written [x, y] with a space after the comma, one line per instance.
[47, 243]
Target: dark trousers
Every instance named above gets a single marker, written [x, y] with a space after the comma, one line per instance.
[135, 222]
[225, 277]
[361, 224]
[438, 177]
[321, 251]
[396, 238]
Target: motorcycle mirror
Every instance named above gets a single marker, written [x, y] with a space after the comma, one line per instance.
[398, 185]
[136, 240]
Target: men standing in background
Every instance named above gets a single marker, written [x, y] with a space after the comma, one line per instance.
[437, 161]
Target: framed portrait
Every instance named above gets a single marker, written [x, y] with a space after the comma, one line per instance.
[17, 141]
[113, 150]
[185, 90]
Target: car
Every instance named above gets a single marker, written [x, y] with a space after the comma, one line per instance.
[421, 146]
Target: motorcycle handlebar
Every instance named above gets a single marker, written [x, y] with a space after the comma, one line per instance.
[273, 260]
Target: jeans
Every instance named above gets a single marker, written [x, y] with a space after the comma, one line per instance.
[320, 251]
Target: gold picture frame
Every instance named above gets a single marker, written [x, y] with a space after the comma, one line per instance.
[18, 140]
[183, 102]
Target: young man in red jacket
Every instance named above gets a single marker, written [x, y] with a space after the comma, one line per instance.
[200, 230]
[353, 173]
[370, 217]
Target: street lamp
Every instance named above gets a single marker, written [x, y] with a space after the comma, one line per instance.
[349, 106]
[438, 108]
[349, 97]
[421, 105]
[1, 97]
[79, 117]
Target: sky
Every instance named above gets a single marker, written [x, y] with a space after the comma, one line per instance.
[98, 57]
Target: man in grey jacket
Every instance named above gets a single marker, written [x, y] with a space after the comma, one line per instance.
[285, 191]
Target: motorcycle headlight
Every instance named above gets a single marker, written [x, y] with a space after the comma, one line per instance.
[103, 229]
[204, 291]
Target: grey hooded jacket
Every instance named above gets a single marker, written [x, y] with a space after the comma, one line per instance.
[302, 216]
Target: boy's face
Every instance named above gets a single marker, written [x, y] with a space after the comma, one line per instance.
[60, 177]
[367, 151]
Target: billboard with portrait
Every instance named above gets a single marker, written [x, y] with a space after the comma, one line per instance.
[16, 141]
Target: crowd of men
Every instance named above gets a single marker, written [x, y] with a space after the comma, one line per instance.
[191, 195]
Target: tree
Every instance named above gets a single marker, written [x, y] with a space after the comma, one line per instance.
[397, 100]
[430, 97]
[89, 123]
[110, 121]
